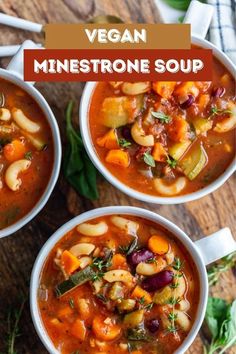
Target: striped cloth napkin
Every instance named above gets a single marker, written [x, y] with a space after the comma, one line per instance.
[223, 27]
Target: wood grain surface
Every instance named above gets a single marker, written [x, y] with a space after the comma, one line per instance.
[18, 252]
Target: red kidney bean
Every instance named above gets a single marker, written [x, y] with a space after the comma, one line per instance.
[139, 256]
[153, 325]
[188, 102]
[126, 133]
[158, 281]
[218, 92]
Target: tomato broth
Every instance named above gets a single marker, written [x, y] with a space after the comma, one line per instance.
[26, 153]
[165, 138]
[118, 284]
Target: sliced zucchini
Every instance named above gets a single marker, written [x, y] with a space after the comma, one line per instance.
[202, 125]
[126, 305]
[176, 151]
[162, 296]
[194, 162]
[36, 142]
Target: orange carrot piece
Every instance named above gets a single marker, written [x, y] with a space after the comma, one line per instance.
[118, 262]
[78, 329]
[118, 157]
[104, 329]
[109, 140]
[14, 151]
[64, 312]
[69, 262]
[164, 88]
[178, 130]
[139, 293]
[159, 153]
[186, 88]
[158, 244]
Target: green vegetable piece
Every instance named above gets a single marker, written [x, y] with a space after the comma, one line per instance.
[126, 305]
[78, 169]
[161, 116]
[194, 162]
[178, 4]
[202, 125]
[75, 280]
[133, 319]
[138, 334]
[117, 291]
[176, 151]
[161, 297]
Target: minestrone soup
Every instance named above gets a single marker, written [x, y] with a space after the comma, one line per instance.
[165, 138]
[26, 153]
[118, 284]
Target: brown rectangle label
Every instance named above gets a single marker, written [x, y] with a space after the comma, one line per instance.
[118, 65]
[117, 36]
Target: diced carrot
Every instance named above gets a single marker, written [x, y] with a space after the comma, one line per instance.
[78, 329]
[109, 140]
[186, 88]
[159, 153]
[158, 244]
[164, 88]
[64, 312]
[14, 151]
[104, 329]
[139, 293]
[118, 262]
[118, 157]
[203, 102]
[69, 262]
[178, 130]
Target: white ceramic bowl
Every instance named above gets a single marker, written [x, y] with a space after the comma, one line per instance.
[203, 252]
[15, 78]
[85, 132]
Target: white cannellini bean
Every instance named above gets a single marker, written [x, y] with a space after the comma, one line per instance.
[119, 275]
[5, 114]
[180, 290]
[149, 268]
[129, 226]
[136, 88]
[11, 176]
[172, 189]
[85, 261]
[93, 229]
[182, 320]
[139, 136]
[23, 122]
[82, 249]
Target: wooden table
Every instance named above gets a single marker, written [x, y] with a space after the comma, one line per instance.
[18, 252]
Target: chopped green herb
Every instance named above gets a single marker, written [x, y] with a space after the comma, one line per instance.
[149, 306]
[172, 316]
[172, 329]
[216, 111]
[171, 162]
[130, 248]
[151, 260]
[148, 159]
[173, 300]
[142, 300]
[178, 264]
[28, 155]
[124, 143]
[161, 116]
[71, 303]
[174, 285]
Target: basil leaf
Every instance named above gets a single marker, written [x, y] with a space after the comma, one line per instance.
[148, 159]
[78, 169]
[161, 116]
[214, 314]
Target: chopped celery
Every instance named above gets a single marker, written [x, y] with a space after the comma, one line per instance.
[176, 151]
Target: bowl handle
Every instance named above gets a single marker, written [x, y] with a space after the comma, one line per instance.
[16, 65]
[199, 15]
[216, 246]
